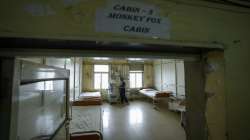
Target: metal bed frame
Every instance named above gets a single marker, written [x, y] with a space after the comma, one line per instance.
[15, 73]
[91, 131]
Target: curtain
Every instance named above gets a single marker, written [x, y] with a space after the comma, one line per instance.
[87, 76]
[148, 76]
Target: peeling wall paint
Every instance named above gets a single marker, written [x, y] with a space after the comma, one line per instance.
[216, 98]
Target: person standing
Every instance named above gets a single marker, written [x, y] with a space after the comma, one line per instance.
[123, 91]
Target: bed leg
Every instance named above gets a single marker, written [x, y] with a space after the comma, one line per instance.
[154, 104]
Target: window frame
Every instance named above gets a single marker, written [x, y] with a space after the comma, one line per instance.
[101, 73]
[142, 79]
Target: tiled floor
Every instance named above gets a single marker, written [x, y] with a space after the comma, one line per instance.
[139, 121]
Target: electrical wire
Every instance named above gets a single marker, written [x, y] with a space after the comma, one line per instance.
[241, 2]
[212, 7]
[231, 3]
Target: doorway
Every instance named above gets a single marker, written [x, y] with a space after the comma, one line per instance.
[196, 126]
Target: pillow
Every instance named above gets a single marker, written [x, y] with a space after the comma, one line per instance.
[148, 89]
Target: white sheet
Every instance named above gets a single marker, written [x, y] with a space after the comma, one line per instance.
[86, 118]
[90, 94]
[149, 93]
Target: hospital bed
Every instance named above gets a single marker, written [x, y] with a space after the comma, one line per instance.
[35, 99]
[155, 95]
[88, 98]
[86, 123]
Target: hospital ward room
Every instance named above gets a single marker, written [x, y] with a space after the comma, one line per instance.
[121, 98]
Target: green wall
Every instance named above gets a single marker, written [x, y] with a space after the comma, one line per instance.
[191, 21]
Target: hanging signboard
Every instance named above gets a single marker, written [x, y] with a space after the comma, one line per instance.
[132, 18]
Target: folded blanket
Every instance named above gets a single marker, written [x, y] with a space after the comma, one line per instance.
[163, 93]
[87, 102]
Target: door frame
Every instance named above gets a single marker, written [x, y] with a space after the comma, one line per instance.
[68, 48]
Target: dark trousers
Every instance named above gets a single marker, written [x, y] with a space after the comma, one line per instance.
[123, 97]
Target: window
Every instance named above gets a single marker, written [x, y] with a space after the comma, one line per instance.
[135, 79]
[101, 76]
[48, 85]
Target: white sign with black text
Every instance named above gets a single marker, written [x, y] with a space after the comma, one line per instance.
[132, 18]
